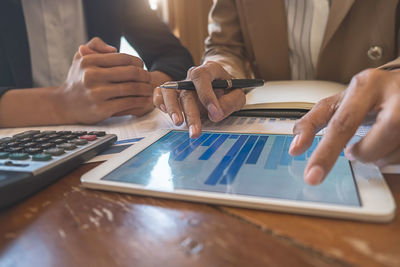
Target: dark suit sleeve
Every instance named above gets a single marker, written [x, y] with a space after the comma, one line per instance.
[153, 40]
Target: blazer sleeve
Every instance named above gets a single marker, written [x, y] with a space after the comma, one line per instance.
[225, 43]
[154, 41]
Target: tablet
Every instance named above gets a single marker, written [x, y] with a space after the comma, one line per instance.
[243, 170]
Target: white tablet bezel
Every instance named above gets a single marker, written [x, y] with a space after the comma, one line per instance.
[377, 203]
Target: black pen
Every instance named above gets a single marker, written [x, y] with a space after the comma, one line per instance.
[216, 84]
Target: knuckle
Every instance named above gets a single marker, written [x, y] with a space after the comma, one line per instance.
[85, 62]
[198, 73]
[367, 76]
[392, 120]
[342, 123]
[88, 77]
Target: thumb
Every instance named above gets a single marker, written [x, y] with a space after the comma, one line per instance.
[99, 46]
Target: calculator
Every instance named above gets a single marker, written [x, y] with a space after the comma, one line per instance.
[30, 160]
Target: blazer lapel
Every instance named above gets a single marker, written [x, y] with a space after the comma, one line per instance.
[15, 40]
[337, 13]
[267, 31]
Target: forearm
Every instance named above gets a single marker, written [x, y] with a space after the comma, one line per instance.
[225, 43]
[33, 106]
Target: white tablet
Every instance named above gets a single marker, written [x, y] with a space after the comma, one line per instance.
[244, 170]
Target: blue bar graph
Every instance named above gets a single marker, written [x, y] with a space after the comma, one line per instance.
[272, 119]
[180, 147]
[226, 160]
[275, 153]
[210, 151]
[238, 162]
[286, 159]
[210, 140]
[192, 146]
[174, 142]
[255, 154]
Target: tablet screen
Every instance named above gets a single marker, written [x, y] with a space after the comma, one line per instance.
[245, 164]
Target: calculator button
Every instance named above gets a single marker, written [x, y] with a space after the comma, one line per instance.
[6, 140]
[80, 133]
[97, 133]
[54, 151]
[53, 136]
[33, 150]
[47, 145]
[13, 164]
[26, 134]
[69, 136]
[13, 144]
[26, 140]
[40, 135]
[64, 132]
[41, 157]
[88, 137]
[18, 156]
[3, 155]
[67, 146]
[30, 144]
[58, 141]
[48, 132]
[15, 149]
[79, 142]
[42, 139]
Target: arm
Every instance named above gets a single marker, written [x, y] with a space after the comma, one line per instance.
[100, 84]
[152, 39]
[225, 44]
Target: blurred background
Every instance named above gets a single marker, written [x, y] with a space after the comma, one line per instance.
[187, 19]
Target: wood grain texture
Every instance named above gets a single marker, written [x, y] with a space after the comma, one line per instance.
[362, 244]
[67, 225]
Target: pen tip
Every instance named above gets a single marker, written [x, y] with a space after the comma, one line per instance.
[169, 85]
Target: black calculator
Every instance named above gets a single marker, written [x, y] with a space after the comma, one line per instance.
[33, 159]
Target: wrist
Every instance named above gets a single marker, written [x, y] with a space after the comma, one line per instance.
[158, 78]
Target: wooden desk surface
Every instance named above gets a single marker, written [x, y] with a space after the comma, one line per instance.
[67, 225]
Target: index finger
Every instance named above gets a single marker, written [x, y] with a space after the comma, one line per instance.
[202, 77]
[341, 128]
[111, 60]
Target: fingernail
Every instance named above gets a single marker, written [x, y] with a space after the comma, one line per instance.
[314, 175]
[348, 154]
[380, 163]
[175, 118]
[163, 108]
[192, 130]
[111, 47]
[214, 112]
[294, 144]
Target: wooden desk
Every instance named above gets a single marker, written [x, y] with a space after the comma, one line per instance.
[67, 225]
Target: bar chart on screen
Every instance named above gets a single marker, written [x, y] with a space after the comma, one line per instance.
[239, 163]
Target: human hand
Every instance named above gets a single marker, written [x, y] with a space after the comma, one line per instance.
[371, 92]
[102, 83]
[218, 104]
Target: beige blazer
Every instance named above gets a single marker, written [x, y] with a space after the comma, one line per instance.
[249, 37]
